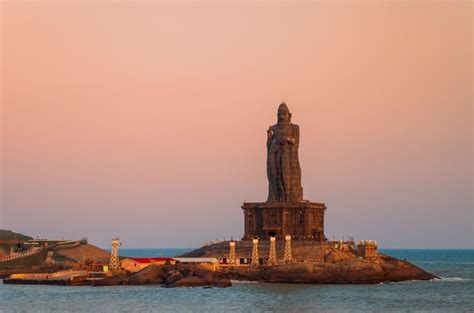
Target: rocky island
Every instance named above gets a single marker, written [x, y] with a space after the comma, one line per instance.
[315, 264]
[284, 238]
[284, 242]
[79, 263]
[382, 269]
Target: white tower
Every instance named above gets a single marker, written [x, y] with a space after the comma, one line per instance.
[114, 255]
[272, 258]
[288, 258]
[232, 252]
[255, 252]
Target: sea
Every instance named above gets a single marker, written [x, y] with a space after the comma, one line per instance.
[453, 292]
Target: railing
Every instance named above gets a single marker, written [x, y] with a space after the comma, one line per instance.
[211, 242]
[12, 242]
[18, 255]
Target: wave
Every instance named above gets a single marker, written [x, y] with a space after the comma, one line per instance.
[243, 282]
[451, 279]
[446, 262]
[441, 279]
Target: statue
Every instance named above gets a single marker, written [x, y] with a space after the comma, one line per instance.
[283, 166]
[285, 213]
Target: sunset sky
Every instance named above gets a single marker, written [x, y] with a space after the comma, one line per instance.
[147, 120]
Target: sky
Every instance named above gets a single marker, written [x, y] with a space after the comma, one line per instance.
[147, 120]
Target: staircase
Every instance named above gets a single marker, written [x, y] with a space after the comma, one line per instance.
[19, 255]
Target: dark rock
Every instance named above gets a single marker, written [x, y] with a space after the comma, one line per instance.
[116, 279]
[351, 271]
[152, 274]
[191, 281]
[168, 267]
[204, 274]
[173, 277]
[194, 281]
[222, 282]
[336, 256]
[185, 269]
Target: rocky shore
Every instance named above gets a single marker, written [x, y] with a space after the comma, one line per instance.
[179, 275]
[61, 258]
[313, 263]
[381, 269]
[350, 271]
[167, 275]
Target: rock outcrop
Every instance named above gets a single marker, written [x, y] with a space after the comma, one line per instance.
[348, 271]
[152, 274]
[116, 279]
[344, 268]
[81, 254]
[178, 275]
[316, 264]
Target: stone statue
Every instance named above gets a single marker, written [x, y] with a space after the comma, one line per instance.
[284, 213]
[283, 166]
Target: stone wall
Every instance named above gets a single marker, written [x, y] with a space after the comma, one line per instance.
[301, 220]
[301, 250]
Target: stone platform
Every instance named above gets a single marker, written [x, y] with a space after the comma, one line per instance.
[302, 220]
[302, 250]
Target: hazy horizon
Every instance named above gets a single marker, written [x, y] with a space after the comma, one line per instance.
[147, 120]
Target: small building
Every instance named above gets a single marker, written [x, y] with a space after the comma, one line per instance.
[137, 264]
[197, 260]
[246, 260]
[367, 248]
[98, 267]
[209, 263]
[343, 246]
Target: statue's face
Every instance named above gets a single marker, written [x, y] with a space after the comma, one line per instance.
[283, 116]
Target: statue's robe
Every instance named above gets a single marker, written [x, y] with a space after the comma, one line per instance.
[283, 166]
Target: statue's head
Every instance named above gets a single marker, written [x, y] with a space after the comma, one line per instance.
[284, 115]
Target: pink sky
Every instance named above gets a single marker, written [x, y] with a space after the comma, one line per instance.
[147, 120]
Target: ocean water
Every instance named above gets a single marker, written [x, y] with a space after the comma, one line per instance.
[454, 292]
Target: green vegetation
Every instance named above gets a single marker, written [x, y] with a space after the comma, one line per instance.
[9, 235]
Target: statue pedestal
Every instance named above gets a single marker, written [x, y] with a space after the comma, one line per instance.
[302, 220]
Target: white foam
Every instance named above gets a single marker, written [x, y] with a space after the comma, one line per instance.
[451, 279]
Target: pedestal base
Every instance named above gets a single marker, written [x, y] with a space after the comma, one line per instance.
[301, 220]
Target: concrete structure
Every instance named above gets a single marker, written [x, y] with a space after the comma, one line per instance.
[197, 260]
[136, 264]
[343, 246]
[367, 248]
[285, 212]
[302, 220]
[204, 263]
[301, 250]
[38, 252]
[61, 275]
[98, 267]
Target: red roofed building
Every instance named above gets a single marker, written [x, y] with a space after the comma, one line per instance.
[136, 264]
